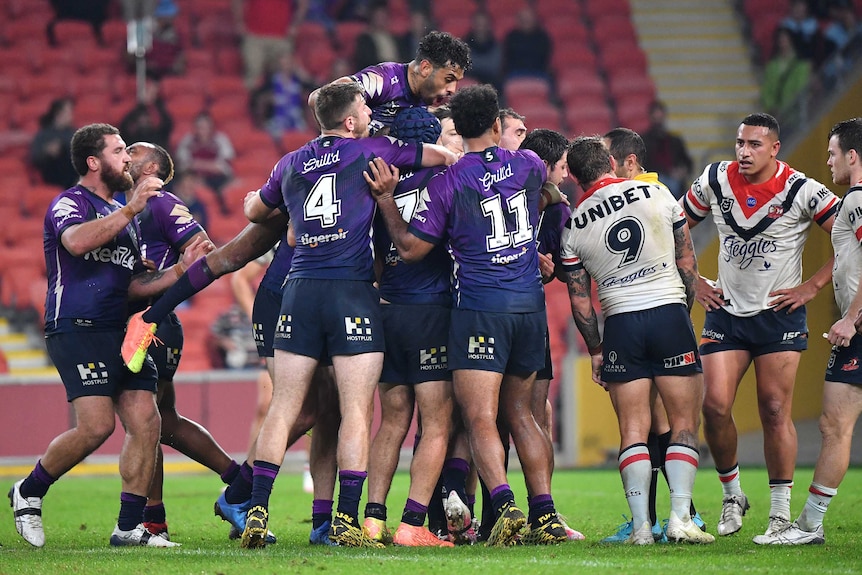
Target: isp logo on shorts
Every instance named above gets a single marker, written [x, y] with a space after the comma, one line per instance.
[480, 347]
[680, 360]
[282, 327]
[434, 358]
[90, 375]
[357, 328]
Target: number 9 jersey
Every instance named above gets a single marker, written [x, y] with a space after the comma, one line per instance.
[622, 233]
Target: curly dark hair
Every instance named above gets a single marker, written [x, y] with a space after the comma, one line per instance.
[89, 141]
[443, 49]
[549, 145]
[588, 159]
[624, 142]
[763, 120]
[474, 110]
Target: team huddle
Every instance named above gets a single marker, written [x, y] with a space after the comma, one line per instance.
[412, 240]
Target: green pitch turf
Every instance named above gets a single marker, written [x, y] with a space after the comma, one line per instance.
[80, 512]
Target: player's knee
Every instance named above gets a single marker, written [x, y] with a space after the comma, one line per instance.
[773, 413]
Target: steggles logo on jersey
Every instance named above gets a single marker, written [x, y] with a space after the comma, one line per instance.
[283, 328]
[680, 360]
[747, 253]
[90, 375]
[357, 328]
[480, 347]
[434, 358]
[173, 358]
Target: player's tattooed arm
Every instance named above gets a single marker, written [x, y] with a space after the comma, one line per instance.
[686, 263]
[580, 295]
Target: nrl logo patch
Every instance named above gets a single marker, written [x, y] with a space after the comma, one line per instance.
[726, 205]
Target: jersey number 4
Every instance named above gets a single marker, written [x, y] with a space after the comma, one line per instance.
[321, 203]
[500, 237]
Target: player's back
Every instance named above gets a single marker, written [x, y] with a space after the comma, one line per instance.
[622, 233]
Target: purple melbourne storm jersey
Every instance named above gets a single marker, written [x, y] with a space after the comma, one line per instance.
[552, 222]
[487, 204]
[386, 91]
[90, 291]
[273, 279]
[166, 225]
[425, 282]
[330, 204]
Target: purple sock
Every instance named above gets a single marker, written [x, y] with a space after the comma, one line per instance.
[321, 512]
[37, 483]
[131, 510]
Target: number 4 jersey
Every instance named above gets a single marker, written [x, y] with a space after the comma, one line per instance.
[330, 205]
[622, 233]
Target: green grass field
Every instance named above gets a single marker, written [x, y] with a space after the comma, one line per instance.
[80, 512]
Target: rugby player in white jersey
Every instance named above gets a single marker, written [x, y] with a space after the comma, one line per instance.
[632, 238]
[842, 390]
[755, 311]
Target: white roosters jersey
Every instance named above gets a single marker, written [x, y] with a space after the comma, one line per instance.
[846, 238]
[762, 229]
[621, 232]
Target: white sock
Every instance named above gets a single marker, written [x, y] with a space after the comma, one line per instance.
[779, 495]
[819, 498]
[680, 464]
[636, 473]
[730, 481]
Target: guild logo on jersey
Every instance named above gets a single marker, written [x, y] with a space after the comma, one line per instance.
[93, 373]
[357, 328]
[181, 215]
[283, 328]
[490, 179]
[173, 356]
[775, 211]
[680, 360]
[480, 347]
[851, 365]
[727, 205]
[434, 358]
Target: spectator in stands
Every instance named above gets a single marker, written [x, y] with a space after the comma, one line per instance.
[185, 186]
[51, 147]
[408, 43]
[267, 29]
[838, 35]
[527, 48]
[785, 78]
[803, 28]
[166, 56]
[377, 44]
[282, 106]
[207, 153]
[485, 51]
[666, 152]
[93, 11]
[149, 120]
[233, 341]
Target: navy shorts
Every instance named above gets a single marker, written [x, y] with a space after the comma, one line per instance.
[335, 317]
[267, 306]
[767, 332]
[547, 372]
[90, 364]
[511, 343]
[845, 363]
[168, 353]
[650, 343]
[416, 340]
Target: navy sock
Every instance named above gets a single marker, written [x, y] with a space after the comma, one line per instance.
[350, 491]
[231, 473]
[436, 517]
[414, 513]
[264, 477]
[155, 513]
[131, 511]
[321, 512]
[540, 505]
[196, 278]
[501, 497]
[37, 483]
[375, 511]
[454, 477]
[239, 490]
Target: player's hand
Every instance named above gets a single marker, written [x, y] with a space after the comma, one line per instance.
[382, 179]
[149, 264]
[546, 267]
[841, 332]
[596, 364]
[707, 295]
[792, 298]
[196, 250]
[145, 189]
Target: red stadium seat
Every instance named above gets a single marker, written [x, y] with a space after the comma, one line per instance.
[294, 140]
[229, 108]
[525, 86]
[456, 24]
[625, 83]
[596, 8]
[345, 37]
[185, 106]
[542, 116]
[588, 120]
[72, 32]
[220, 87]
[442, 9]
[228, 61]
[199, 58]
